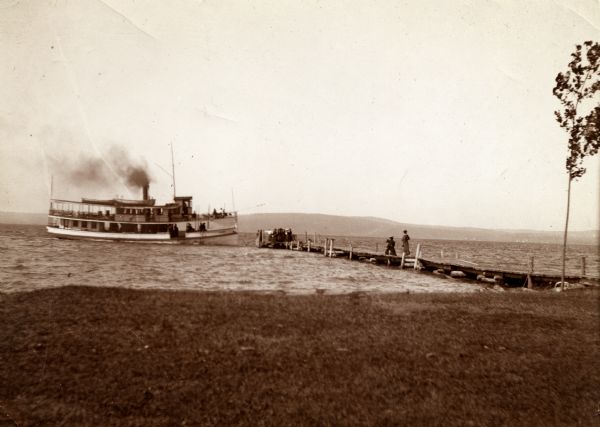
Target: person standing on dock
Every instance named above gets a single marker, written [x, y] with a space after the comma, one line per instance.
[405, 239]
[391, 246]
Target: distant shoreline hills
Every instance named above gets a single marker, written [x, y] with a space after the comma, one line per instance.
[336, 225]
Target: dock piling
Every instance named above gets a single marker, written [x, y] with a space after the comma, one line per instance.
[417, 257]
[350, 255]
[582, 266]
[529, 280]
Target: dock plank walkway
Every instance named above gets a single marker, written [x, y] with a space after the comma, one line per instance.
[448, 268]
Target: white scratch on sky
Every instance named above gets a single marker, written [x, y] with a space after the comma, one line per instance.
[127, 19]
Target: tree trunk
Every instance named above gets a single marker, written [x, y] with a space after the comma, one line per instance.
[564, 254]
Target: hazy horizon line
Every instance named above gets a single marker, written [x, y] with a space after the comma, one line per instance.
[597, 230]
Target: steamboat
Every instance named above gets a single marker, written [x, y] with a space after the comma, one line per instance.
[141, 221]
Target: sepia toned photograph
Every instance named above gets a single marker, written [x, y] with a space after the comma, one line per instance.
[299, 213]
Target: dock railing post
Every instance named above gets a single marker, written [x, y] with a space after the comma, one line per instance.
[325, 247]
[415, 266]
[402, 261]
[529, 279]
[308, 243]
[582, 266]
[350, 255]
[331, 247]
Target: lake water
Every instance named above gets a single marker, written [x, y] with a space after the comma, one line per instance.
[30, 259]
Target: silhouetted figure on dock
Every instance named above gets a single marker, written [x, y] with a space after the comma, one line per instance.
[391, 246]
[405, 247]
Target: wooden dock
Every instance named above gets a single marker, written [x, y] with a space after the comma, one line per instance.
[416, 262]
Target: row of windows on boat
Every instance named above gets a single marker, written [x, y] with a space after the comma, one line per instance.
[116, 227]
[138, 215]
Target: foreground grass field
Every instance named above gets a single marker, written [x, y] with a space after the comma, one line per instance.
[98, 356]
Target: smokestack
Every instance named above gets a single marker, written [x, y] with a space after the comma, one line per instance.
[145, 190]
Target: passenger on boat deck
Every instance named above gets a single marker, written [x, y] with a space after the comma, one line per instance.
[405, 239]
[189, 228]
[391, 246]
[175, 231]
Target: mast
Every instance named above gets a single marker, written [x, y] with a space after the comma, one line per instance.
[173, 169]
[51, 189]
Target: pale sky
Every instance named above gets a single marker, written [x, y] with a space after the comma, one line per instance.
[426, 112]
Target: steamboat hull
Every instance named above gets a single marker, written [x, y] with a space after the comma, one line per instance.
[228, 237]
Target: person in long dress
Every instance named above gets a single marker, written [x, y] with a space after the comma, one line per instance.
[405, 247]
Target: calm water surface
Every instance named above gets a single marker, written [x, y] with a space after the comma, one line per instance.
[30, 259]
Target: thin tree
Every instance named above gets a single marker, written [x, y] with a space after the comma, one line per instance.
[578, 90]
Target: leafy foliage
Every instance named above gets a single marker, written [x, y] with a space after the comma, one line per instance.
[580, 83]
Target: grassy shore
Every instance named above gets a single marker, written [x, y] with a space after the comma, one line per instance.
[100, 356]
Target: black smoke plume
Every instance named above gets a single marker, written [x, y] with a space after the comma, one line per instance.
[107, 171]
[134, 173]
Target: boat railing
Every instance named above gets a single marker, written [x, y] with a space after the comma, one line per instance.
[218, 215]
[137, 218]
[82, 215]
